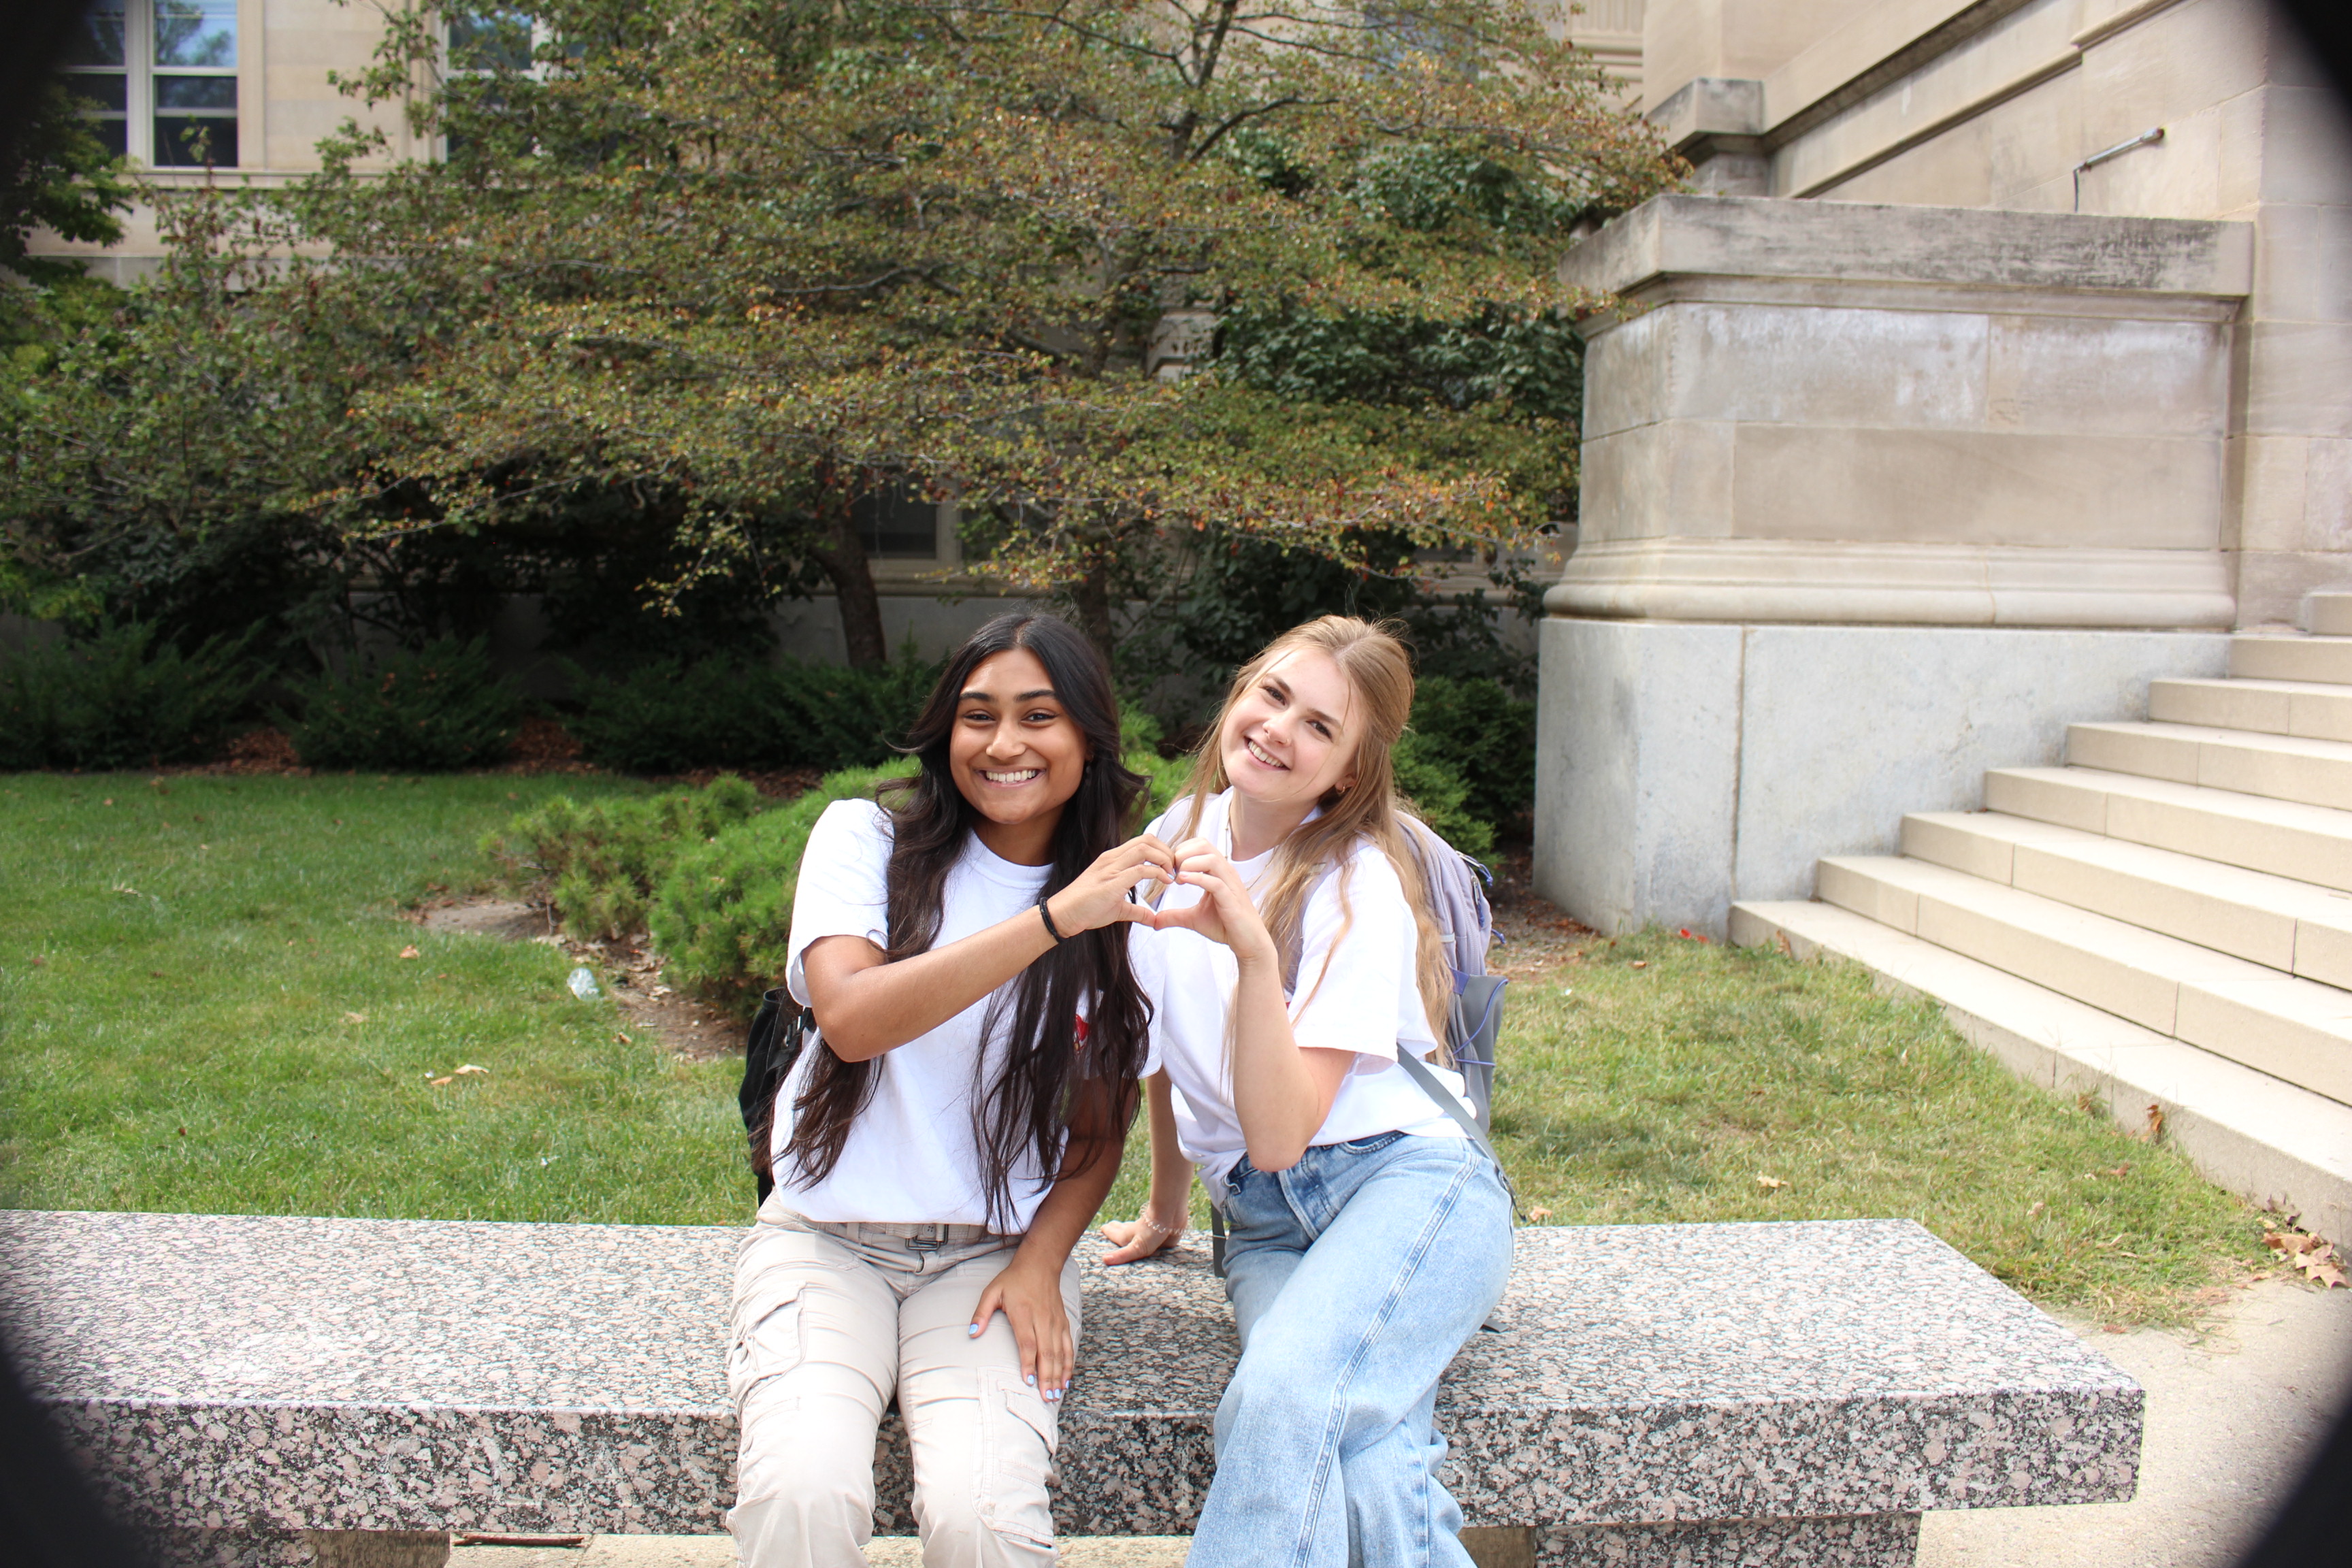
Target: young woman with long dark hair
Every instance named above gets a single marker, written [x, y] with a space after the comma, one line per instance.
[945, 1137]
[1369, 1236]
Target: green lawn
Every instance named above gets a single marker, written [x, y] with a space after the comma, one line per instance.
[203, 1007]
[1666, 1093]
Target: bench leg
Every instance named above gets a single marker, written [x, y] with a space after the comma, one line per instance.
[1866, 1541]
[378, 1548]
[265, 1547]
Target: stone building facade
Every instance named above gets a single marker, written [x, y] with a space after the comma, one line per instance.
[2002, 362]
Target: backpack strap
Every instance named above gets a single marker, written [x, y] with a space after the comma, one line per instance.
[1447, 1101]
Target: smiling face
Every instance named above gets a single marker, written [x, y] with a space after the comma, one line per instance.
[1290, 738]
[1014, 752]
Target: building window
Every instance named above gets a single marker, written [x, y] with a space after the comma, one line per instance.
[895, 520]
[159, 80]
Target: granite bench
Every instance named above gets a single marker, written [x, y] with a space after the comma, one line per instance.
[255, 1390]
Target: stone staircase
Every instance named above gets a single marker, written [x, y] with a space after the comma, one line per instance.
[2165, 922]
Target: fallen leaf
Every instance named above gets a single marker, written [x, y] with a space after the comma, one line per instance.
[2154, 1130]
[108, 800]
[622, 1039]
[1640, 964]
[355, 1017]
[2036, 1209]
[437, 1082]
[410, 953]
[1770, 1184]
[1540, 1214]
[470, 1066]
[40, 963]
[154, 974]
[2116, 1329]
[2122, 1170]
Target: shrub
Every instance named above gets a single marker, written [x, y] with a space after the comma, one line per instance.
[668, 717]
[724, 913]
[117, 698]
[1485, 737]
[1439, 796]
[1139, 736]
[428, 711]
[599, 864]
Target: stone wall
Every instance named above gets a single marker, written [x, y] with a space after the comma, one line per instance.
[1944, 103]
[1874, 498]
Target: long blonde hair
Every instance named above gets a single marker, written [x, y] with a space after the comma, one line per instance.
[1378, 671]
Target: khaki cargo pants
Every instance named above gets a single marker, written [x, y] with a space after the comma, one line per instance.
[830, 1321]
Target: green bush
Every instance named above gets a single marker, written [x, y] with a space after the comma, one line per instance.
[1139, 736]
[1485, 737]
[1437, 792]
[117, 698]
[599, 864]
[668, 717]
[428, 711]
[724, 913]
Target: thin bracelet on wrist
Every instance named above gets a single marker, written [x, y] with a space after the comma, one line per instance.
[1047, 916]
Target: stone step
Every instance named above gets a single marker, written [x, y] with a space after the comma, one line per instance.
[2286, 838]
[2321, 658]
[2246, 1131]
[2328, 614]
[2308, 708]
[2289, 926]
[2280, 767]
[2293, 1029]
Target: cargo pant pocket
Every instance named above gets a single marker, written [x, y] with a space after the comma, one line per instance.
[1017, 1440]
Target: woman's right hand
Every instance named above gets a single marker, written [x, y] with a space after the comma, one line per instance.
[1098, 894]
[1141, 1237]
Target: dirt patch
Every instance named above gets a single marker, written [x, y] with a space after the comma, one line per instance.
[1536, 934]
[508, 918]
[629, 970]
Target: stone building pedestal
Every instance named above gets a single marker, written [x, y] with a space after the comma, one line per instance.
[1873, 499]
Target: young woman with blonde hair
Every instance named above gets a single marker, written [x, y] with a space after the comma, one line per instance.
[1370, 1236]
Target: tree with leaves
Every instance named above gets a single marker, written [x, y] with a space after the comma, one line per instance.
[762, 257]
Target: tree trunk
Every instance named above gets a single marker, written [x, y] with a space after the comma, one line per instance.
[842, 558]
[1091, 599]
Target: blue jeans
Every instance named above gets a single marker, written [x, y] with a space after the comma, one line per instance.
[1354, 1276]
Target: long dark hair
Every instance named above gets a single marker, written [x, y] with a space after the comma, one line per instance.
[1026, 1110]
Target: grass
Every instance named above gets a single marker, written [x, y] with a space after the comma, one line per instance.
[203, 1008]
[1661, 1081]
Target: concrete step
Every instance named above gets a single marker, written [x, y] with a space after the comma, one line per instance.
[2246, 1131]
[2327, 659]
[2285, 925]
[2282, 767]
[2308, 708]
[2293, 1029]
[2328, 614]
[2286, 838]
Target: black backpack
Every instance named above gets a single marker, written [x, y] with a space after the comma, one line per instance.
[775, 1044]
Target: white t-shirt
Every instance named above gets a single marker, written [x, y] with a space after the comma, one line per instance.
[1356, 991]
[910, 1157]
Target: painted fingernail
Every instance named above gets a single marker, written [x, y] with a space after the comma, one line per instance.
[973, 1332]
[1030, 1378]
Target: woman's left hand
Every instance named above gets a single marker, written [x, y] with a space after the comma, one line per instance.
[1030, 1297]
[1225, 911]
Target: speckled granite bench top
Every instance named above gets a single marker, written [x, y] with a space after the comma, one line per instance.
[382, 1375]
